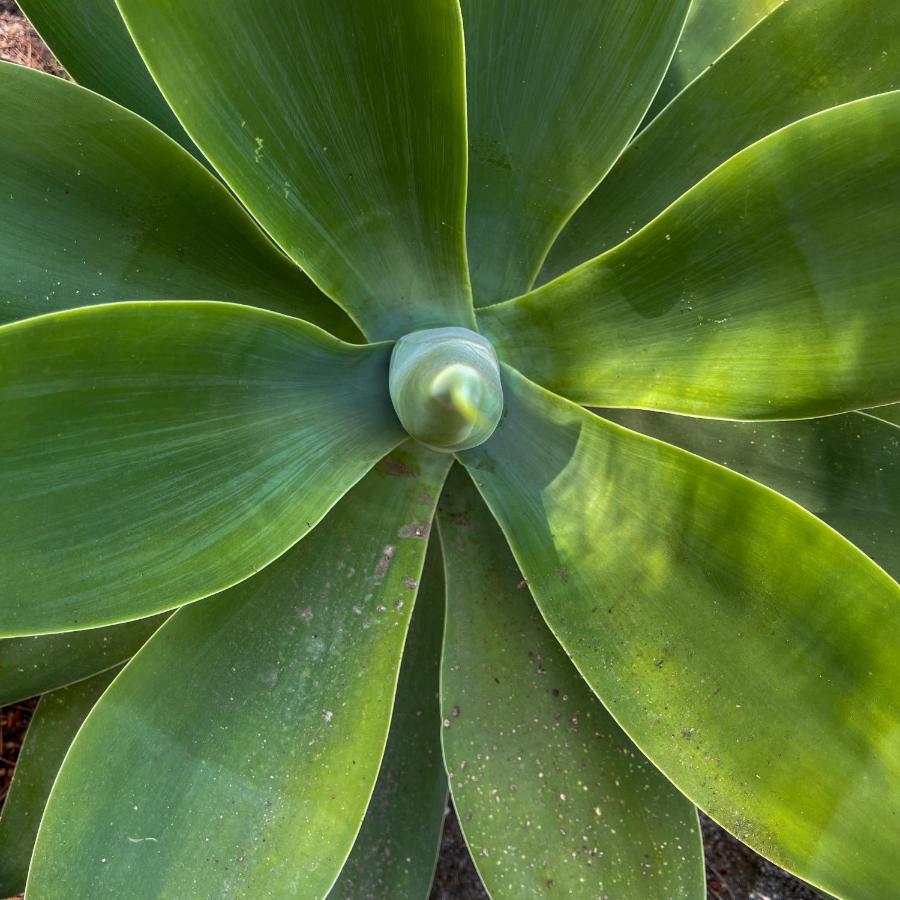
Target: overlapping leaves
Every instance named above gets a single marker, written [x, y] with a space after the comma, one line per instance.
[158, 452]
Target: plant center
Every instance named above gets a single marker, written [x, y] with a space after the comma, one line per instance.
[445, 387]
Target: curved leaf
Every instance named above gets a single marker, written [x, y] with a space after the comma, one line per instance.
[360, 179]
[97, 206]
[235, 755]
[712, 26]
[396, 849]
[769, 291]
[889, 414]
[842, 469]
[555, 92]
[748, 649]
[56, 720]
[36, 665]
[551, 794]
[807, 56]
[155, 453]
[90, 39]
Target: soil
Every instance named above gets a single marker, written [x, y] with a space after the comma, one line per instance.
[734, 872]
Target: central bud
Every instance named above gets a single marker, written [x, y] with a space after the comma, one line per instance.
[445, 387]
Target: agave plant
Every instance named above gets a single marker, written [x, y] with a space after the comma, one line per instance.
[597, 287]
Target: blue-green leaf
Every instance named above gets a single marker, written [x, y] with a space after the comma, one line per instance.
[342, 131]
[155, 453]
[236, 753]
[555, 92]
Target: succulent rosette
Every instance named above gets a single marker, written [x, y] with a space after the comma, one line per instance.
[437, 391]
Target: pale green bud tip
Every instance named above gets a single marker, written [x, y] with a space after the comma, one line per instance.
[445, 387]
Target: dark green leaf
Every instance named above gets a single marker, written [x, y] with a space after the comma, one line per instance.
[344, 133]
[555, 92]
[235, 755]
[807, 56]
[553, 798]
[711, 28]
[97, 206]
[889, 414]
[748, 649]
[90, 39]
[56, 720]
[155, 453]
[35, 665]
[771, 290]
[396, 849]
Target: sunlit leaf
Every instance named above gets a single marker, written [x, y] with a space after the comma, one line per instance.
[747, 648]
[552, 796]
[807, 56]
[770, 290]
[843, 469]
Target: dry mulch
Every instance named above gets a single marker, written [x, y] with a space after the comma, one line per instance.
[20, 44]
[734, 872]
[14, 721]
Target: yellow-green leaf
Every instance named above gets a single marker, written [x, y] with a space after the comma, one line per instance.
[748, 649]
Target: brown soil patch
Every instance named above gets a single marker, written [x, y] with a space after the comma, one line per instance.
[19, 43]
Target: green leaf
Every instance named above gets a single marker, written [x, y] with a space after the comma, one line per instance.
[842, 469]
[36, 665]
[56, 720]
[555, 92]
[155, 453]
[711, 28]
[747, 648]
[552, 796]
[252, 777]
[97, 206]
[360, 179]
[807, 56]
[769, 291]
[395, 852]
[889, 414]
[90, 39]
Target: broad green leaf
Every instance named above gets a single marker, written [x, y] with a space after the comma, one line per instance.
[90, 39]
[97, 206]
[711, 28]
[807, 56]
[842, 469]
[396, 850]
[748, 649]
[552, 796]
[889, 414]
[51, 730]
[235, 754]
[555, 92]
[36, 665]
[768, 291]
[155, 453]
[344, 133]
